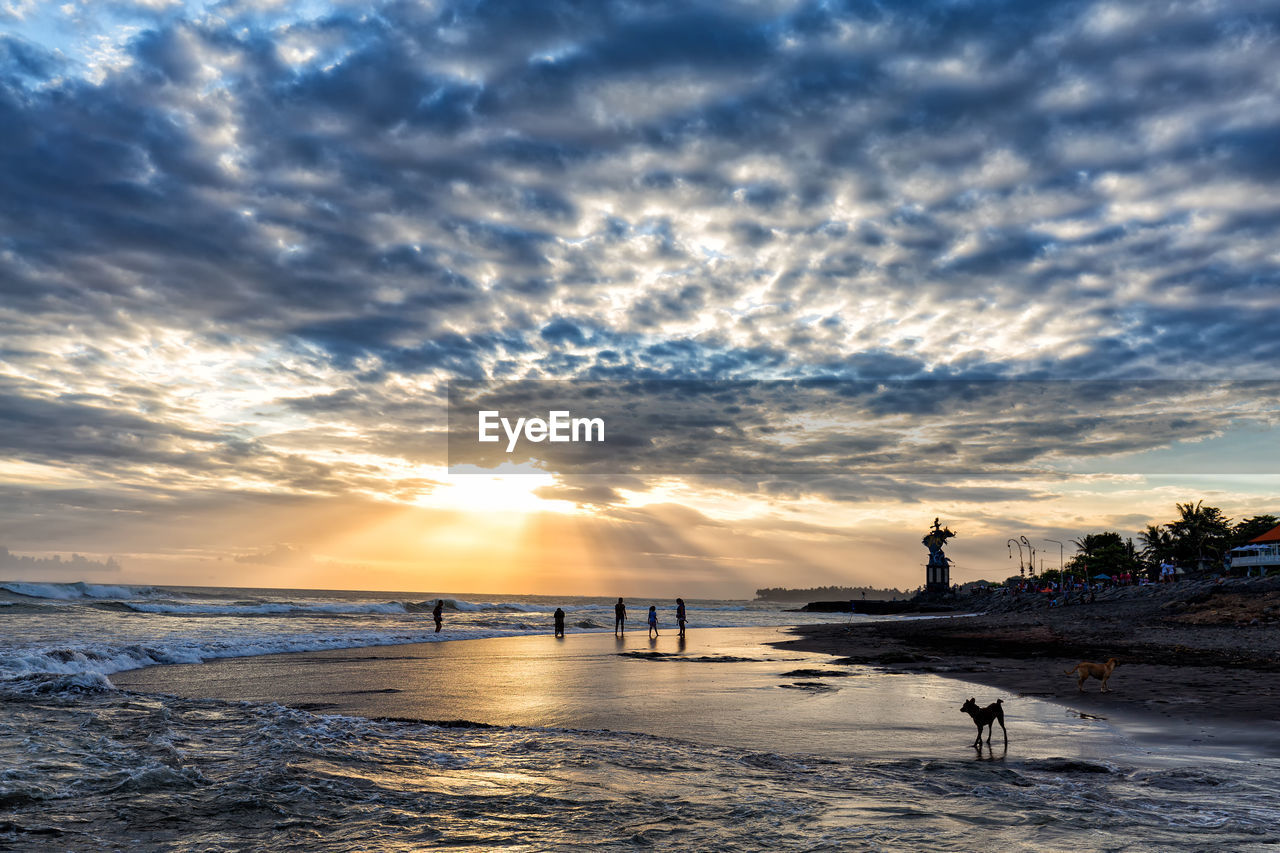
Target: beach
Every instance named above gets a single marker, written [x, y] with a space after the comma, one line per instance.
[362, 362]
[736, 739]
[723, 686]
[225, 720]
[1199, 662]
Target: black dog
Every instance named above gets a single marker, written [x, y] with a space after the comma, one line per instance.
[986, 717]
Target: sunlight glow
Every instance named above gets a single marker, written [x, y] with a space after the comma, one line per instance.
[507, 488]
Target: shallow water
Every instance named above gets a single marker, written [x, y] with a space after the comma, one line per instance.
[79, 628]
[107, 771]
[722, 686]
[725, 744]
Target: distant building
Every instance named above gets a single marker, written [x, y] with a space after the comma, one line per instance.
[1262, 553]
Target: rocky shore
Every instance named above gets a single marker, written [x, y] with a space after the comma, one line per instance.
[1202, 654]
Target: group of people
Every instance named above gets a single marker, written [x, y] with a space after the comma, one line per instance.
[619, 621]
[620, 618]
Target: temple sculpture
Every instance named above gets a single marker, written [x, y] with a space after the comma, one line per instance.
[938, 569]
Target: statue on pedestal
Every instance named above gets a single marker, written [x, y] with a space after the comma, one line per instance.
[938, 569]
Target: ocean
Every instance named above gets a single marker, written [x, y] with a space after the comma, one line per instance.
[859, 762]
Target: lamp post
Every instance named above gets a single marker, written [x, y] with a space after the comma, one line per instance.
[1021, 570]
[1060, 553]
[1032, 552]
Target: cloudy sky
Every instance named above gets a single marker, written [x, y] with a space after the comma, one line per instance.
[244, 248]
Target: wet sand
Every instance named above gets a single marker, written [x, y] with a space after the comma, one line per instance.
[1199, 663]
[725, 687]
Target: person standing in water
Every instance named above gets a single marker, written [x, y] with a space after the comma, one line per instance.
[653, 621]
[559, 617]
[680, 615]
[438, 614]
[619, 618]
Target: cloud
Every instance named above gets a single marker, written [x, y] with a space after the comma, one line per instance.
[277, 555]
[247, 251]
[855, 440]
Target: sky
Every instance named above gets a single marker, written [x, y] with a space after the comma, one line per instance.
[1014, 265]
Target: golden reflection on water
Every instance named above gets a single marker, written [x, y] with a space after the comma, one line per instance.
[423, 777]
[719, 686]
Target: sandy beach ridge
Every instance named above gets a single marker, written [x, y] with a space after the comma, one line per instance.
[1198, 659]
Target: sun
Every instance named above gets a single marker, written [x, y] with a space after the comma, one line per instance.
[508, 488]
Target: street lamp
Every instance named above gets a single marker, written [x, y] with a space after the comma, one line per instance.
[1021, 570]
[1032, 552]
[1060, 552]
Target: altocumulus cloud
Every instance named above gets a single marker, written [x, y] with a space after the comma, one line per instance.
[230, 236]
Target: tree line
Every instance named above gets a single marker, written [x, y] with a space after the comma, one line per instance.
[1195, 541]
[827, 593]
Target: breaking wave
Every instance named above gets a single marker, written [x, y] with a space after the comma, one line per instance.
[281, 608]
[105, 658]
[78, 590]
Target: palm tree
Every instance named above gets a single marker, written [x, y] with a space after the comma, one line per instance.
[1104, 553]
[1200, 531]
[1157, 543]
[1248, 529]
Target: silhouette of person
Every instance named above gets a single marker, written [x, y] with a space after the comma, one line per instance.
[680, 615]
[438, 614]
[559, 617]
[653, 621]
[619, 618]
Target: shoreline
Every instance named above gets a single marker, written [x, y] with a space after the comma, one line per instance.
[727, 687]
[1192, 675]
[719, 758]
[1191, 670]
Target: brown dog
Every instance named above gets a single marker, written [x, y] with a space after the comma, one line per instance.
[1100, 671]
[988, 717]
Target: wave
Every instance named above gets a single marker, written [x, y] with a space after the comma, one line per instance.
[44, 684]
[104, 659]
[85, 591]
[278, 608]
[93, 773]
[518, 607]
[100, 629]
[94, 659]
[80, 590]
[494, 607]
[287, 608]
